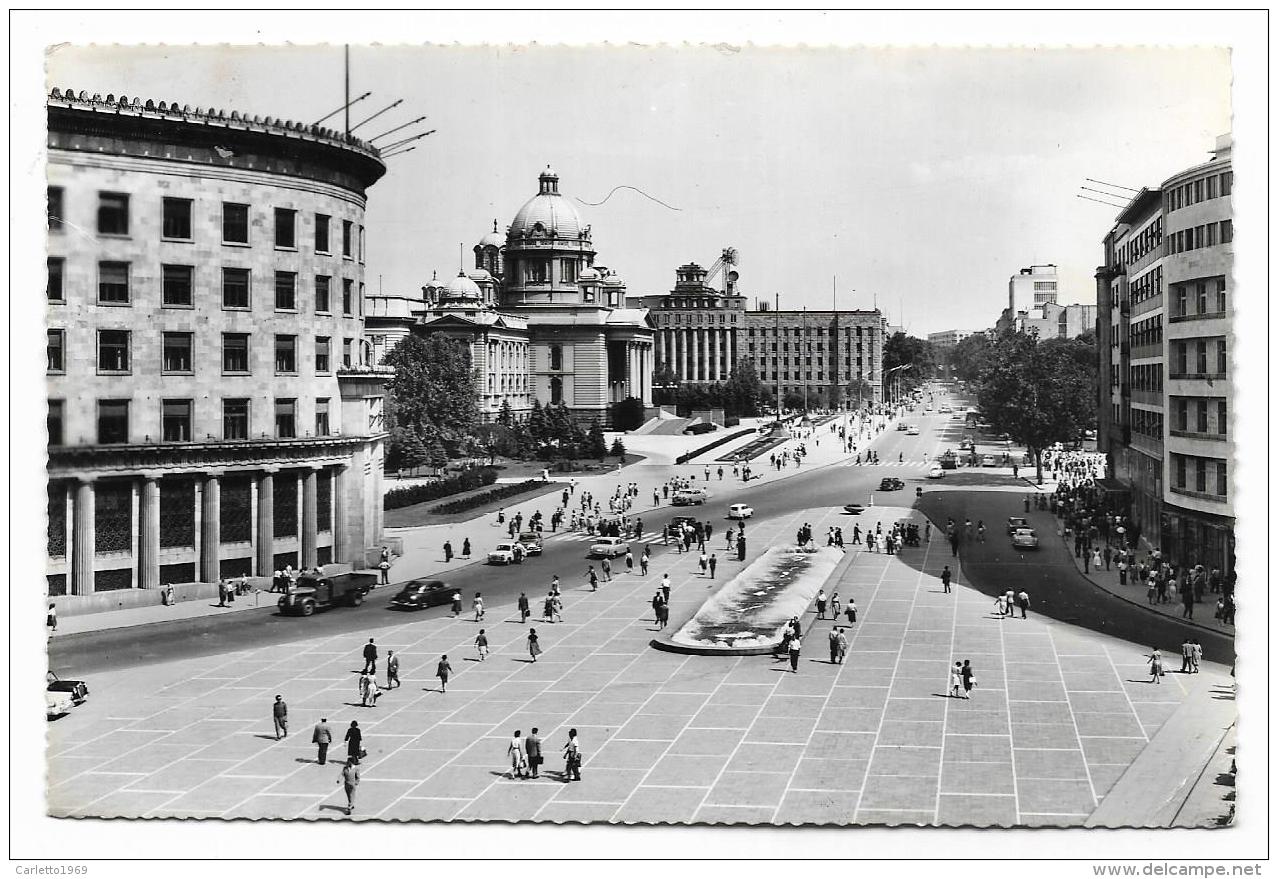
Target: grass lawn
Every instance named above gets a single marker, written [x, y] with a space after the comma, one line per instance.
[419, 514]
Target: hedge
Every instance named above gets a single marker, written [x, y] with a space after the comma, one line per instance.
[487, 497]
[430, 491]
[688, 456]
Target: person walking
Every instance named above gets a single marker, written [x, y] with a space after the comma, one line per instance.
[350, 782]
[843, 646]
[713, 563]
[481, 645]
[572, 758]
[392, 670]
[956, 680]
[946, 576]
[821, 604]
[969, 678]
[322, 737]
[834, 645]
[643, 561]
[364, 686]
[370, 657]
[606, 566]
[518, 759]
[1000, 604]
[1155, 667]
[442, 671]
[1196, 654]
[456, 605]
[279, 715]
[794, 652]
[1186, 652]
[532, 749]
[1187, 600]
[384, 568]
[477, 605]
[836, 606]
[665, 587]
[1023, 602]
[524, 610]
[354, 741]
[1010, 602]
[466, 547]
[593, 578]
[703, 562]
[51, 620]
[534, 645]
[851, 611]
[448, 552]
[980, 530]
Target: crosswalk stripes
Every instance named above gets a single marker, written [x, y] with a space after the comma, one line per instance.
[893, 464]
[583, 537]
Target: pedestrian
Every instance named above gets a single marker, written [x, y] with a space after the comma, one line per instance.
[1122, 571]
[279, 714]
[1000, 604]
[350, 781]
[370, 657]
[534, 646]
[820, 603]
[851, 611]
[466, 547]
[794, 653]
[593, 578]
[956, 680]
[606, 567]
[946, 576]
[1097, 561]
[477, 604]
[442, 671]
[630, 562]
[969, 678]
[1155, 667]
[456, 605]
[834, 645]
[843, 646]
[384, 567]
[51, 619]
[354, 742]
[643, 562]
[1023, 602]
[572, 758]
[221, 592]
[322, 737]
[703, 562]
[665, 587]
[836, 606]
[392, 670]
[518, 759]
[524, 610]
[532, 749]
[1108, 556]
[481, 645]
[713, 563]
[1187, 598]
[448, 552]
[1186, 652]
[1195, 656]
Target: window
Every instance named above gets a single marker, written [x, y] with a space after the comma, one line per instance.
[1201, 290]
[1226, 231]
[321, 233]
[285, 228]
[235, 223]
[177, 352]
[177, 218]
[113, 283]
[1220, 296]
[235, 419]
[285, 354]
[176, 283]
[346, 352]
[235, 288]
[322, 345]
[1222, 417]
[285, 291]
[348, 295]
[286, 419]
[113, 350]
[113, 421]
[1200, 361]
[55, 208]
[176, 421]
[54, 289]
[113, 213]
[1202, 416]
[1222, 356]
[1200, 474]
[321, 293]
[1198, 191]
[321, 416]
[556, 390]
[56, 348]
[1222, 478]
[235, 352]
[1181, 300]
[346, 238]
[53, 422]
[360, 300]
[361, 245]
[1178, 471]
[1226, 183]
[556, 357]
[568, 271]
[536, 271]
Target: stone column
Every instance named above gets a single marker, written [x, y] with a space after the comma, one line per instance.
[337, 495]
[716, 369]
[703, 355]
[82, 539]
[211, 529]
[266, 524]
[149, 546]
[682, 365]
[310, 525]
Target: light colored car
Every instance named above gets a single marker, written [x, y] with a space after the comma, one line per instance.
[506, 553]
[740, 511]
[936, 472]
[608, 548]
[57, 704]
[988, 461]
[1016, 523]
[688, 496]
[912, 431]
[1024, 538]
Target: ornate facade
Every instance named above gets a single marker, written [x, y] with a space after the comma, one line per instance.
[213, 407]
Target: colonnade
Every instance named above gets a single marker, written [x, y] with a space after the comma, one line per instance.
[698, 354]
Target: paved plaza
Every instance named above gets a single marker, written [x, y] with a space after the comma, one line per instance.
[1058, 716]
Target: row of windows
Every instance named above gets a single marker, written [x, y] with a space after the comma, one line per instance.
[1195, 237]
[690, 319]
[1147, 332]
[1190, 473]
[1147, 377]
[697, 302]
[177, 420]
[178, 288]
[807, 331]
[177, 349]
[1215, 186]
[114, 219]
[1197, 298]
[1141, 243]
[1148, 424]
[537, 271]
[1206, 415]
[1147, 285]
[1194, 353]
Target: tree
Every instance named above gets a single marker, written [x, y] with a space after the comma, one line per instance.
[664, 375]
[902, 350]
[859, 392]
[596, 445]
[970, 356]
[505, 416]
[1037, 393]
[434, 390]
[618, 450]
[743, 392]
[627, 414]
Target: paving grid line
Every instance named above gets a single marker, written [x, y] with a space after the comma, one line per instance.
[1091, 785]
[1011, 742]
[945, 716]
[1126, 695]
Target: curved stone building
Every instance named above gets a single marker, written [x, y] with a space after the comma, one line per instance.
[213, 410]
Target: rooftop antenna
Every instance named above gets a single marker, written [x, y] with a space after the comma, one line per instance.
[347, 58]
[396, 128]
[378, 113]
[461, 258]
[341, 108]
[1114, 185]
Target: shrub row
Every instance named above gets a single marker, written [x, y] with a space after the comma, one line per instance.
[486, 497]
[688, 456]
[430, 491]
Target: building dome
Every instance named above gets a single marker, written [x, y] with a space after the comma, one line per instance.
[460, 289]
[493, 238]
[547, 212]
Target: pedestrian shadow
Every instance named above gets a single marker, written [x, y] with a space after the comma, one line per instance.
[525, 661]
[330, 807]
[305, 760]
[268, 737]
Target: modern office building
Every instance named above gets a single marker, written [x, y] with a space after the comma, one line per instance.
[697, 326]
[1166, 319]
[947, 339]
[1032, 287]
[213, 409]
[829, 358]
[1053, 321]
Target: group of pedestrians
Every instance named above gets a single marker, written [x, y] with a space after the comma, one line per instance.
[526, 757]
[1009, 602]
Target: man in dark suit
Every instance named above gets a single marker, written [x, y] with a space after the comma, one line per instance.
[532, 747]
[322, 737]
[279, 714]
[370, 658]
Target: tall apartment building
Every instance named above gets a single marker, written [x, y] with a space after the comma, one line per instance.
[1165, 320]
[1032, 287]
[212, 407]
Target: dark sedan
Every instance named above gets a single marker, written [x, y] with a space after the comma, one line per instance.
[891, 483]
[418, 594]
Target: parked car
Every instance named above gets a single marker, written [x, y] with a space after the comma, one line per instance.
[901, 425]
[967, 446]
[418, 594]
[1016, 522]
[76, 691]
[687, 496]
[936, 471]
[508, 552]
[989, 461]
[1024, 538]
[700, 427]
[319, 593]
[891, 483]
[57, 704]
[608, 548]
[530, 541]
[913, 431]
[740, 511]
[854, 509]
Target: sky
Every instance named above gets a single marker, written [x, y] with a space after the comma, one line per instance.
[919, 180]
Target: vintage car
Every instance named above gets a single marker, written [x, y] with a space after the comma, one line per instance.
[509, 552]
[61, 696]
[685, 497]
[530, 541]
[1016, 522]
[936, 471]
[890, 483]
[608, 548]
[912, 431]
[740, 511]
[418, 594]
[1024, 538]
